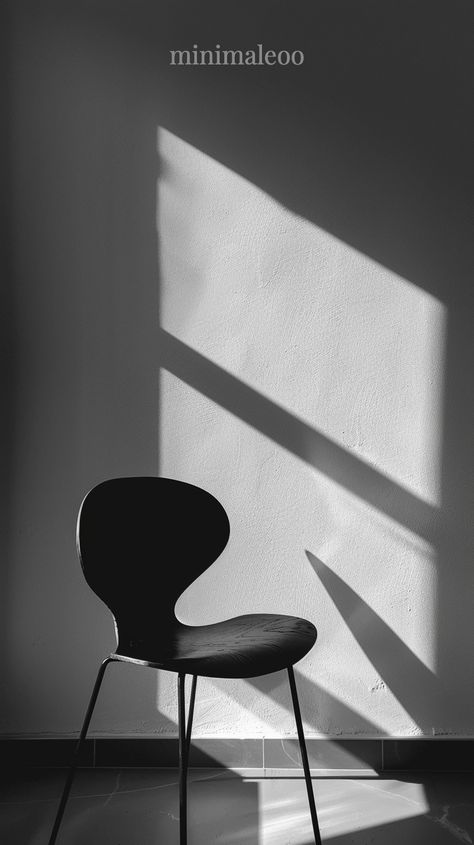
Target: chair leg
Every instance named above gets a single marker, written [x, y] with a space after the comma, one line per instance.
[75, 759]
[190, 717]
[182, 760]
[304, 756]
[184, 746]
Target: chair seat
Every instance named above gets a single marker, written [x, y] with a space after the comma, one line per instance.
[241, 647]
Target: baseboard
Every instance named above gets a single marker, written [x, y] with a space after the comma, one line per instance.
[269, 757]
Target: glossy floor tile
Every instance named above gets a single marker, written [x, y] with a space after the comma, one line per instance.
[140, 807]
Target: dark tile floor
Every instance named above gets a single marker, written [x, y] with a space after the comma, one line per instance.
[140, 807]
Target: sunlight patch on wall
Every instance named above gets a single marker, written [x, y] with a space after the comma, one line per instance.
[348, 357]
[340, 341]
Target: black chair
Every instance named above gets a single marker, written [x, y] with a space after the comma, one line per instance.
[141, 542]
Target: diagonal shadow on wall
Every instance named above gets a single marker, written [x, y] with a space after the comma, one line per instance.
[298, 437]
[403, 672]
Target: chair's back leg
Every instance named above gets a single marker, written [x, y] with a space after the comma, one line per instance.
[75, 759]
[190, 717]
[304, 756]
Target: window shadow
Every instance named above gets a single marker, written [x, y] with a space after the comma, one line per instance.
[299, 438]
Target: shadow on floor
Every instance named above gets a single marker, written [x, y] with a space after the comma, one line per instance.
[140, 807]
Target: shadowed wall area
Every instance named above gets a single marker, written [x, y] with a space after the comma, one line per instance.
[291, 248]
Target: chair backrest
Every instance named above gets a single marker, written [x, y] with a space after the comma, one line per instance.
[142, 541]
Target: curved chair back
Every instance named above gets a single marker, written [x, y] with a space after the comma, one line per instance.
[141, 541]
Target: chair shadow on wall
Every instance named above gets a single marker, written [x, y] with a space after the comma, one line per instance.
[407, 677]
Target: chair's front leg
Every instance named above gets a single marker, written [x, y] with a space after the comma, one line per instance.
[304, 756]
[182, 760]
[75, 759]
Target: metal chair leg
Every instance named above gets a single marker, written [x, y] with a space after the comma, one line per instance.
[184, 746]
[190, 717]
[304, 756]
[75, 759]
[182, 761]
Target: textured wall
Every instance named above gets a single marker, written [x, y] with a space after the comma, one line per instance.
[258, 281]
[353, 352]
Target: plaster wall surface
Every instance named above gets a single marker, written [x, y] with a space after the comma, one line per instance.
[356, 353]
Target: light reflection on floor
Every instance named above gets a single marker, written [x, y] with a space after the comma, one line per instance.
[140, 807]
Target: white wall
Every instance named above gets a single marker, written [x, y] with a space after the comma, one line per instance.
[304, 248]
[354, 351]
